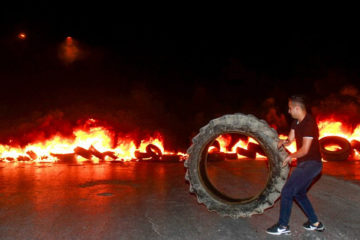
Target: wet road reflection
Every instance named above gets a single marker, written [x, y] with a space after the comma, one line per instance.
[47, 197]
[238, 179]
[47, 200]
[347, 170]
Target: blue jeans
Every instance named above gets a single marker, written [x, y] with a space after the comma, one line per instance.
[296, 187]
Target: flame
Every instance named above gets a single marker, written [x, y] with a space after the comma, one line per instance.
[240, 143]
[327, 127]
[87, 143]
[225, 141]
[333, 148]
[356, 154]
[125, 150]
[212, 149]
[98, 137]
[157, 141]
[332, 127]
[96, 143]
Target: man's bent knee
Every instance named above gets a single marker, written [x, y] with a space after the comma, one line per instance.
[287, 192]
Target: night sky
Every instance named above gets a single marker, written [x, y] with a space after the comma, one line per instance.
[169, 76]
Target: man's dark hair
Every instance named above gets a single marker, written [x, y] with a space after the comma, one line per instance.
[299, 99]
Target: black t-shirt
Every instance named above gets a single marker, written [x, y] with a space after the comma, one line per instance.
[307, 128]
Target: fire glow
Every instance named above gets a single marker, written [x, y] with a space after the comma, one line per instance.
[99, 143]
[331, 127]
[328, 127]
[225, 141]
[87, 143]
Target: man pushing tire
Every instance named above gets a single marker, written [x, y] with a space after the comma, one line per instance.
[305, 132]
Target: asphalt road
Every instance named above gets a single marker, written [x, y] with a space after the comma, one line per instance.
[151, 201]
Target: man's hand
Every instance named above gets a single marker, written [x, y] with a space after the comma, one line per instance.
[287, 160]
[280, 143]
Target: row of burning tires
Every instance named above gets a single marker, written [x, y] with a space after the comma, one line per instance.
[152, 153]
[344, 149]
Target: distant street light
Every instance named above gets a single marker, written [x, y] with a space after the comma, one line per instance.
[22, 36]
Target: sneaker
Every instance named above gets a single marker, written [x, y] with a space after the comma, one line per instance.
[310, 227]
[277, 229]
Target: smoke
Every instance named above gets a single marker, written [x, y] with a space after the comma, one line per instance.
[350, 91]
[37, 127]
[139, 114]
[142, 112]
[69, 51]
[273, 116]
[42, 127]
[343, 106]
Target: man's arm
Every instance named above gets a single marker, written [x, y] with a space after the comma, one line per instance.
[301, 152]
[289, 140]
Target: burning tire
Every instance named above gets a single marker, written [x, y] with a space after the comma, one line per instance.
[246, 153]
[337, 155]
[200, 184]
[153, 151]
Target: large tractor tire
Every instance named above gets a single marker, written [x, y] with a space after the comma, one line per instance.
[339, 155]
[200, 184]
